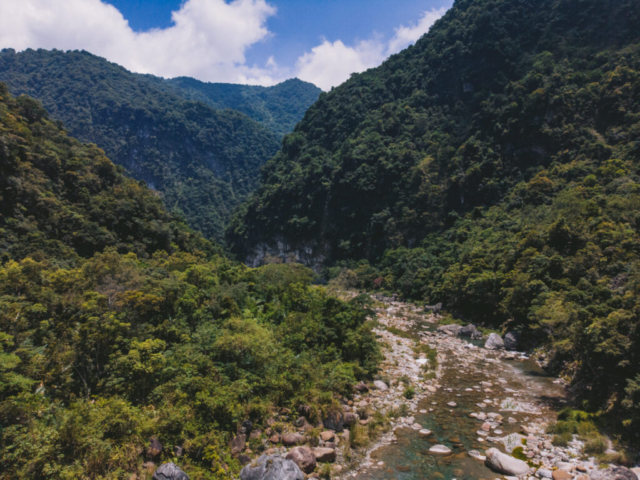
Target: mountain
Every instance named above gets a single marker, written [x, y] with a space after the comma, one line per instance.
[203, 161]
[279, 108]
[492, 166]
[121, 329]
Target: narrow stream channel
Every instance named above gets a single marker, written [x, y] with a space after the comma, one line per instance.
[513, 382]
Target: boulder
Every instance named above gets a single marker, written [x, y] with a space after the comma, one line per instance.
[246, 427]
[511, 340]
[505, 464]
[324, 454]
[154, 449]
[440, 449]
[238, 444]
[327, 436]
[470, 331]
[169, 471]
[334, 421]
[477, 455]
[351, 418]
[450, 329]
[561, 475]
[272, 467]
[303, 458]
[362, 387]
[380, 385]
[291, 439]
[494, 342]
[613, 473]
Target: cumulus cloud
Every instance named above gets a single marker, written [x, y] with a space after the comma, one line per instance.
[408, 35]
[331, 63]
[207, 40]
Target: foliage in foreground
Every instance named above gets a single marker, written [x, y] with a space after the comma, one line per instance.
[117, 323]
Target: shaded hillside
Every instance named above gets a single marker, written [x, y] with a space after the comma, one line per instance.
[279, 108]
[118, 324]
[203, 161]
[492, 166]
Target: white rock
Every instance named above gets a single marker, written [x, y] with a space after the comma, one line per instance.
[505, 464]
[442, 449]
[477, 455]
[380, 385]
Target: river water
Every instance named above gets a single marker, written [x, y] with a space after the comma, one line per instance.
[515, 384]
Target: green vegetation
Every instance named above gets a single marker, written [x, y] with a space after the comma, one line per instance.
[493, 167]
[279, 108]
[117, 323]
[202, 161]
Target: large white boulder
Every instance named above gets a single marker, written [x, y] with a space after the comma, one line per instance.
[505, 464]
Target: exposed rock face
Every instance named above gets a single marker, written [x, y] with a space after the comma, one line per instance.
[494, 342]
[511, 341]
[505, 464]
[380, 385]
[325, 454]
[291, 439]
[614, 473]
[169, 471]
[272, 467]
[303, 458]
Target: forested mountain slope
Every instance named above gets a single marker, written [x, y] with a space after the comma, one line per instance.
[493, 166]
[203, 161]
[279, 108]
[119, 325]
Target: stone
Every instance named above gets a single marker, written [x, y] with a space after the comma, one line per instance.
[362, 387]
[303, 457]
[238, 444]
[272, 467]
[544, 473]
[169, 471]
[351, 418]
[275, 438]
[178, 450]
[561, 475]
[452, 404]
[291, 439]
[450, 329]
[494, 342]
[613, 473]
[512, 441]
[505, 464]
[327, 436]
[380, 385]
[511, 340]
[440, 449]
[154, 449]
[470, 331]
[255, 435]
[324, 455]
[477, 455]
[244, 459]
[636, 471]
[246, 427]
[424, 432]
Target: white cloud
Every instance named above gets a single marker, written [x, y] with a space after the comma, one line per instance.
[207, 40]
[406, 36]
[331, 63]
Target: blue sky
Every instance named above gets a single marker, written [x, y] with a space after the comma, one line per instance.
[239, 41]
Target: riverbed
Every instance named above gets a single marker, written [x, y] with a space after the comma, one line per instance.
[477, 399]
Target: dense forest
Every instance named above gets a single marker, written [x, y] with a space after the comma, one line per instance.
[203, 160]
[119, 324]
[494, 167]
[279, 108]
